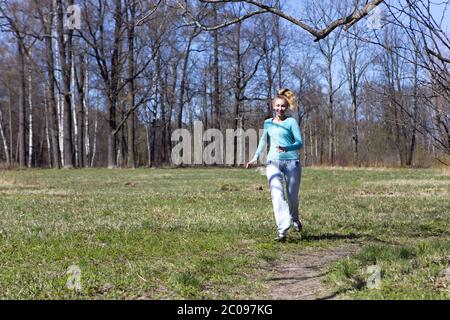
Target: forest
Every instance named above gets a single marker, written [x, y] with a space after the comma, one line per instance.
[105, 83]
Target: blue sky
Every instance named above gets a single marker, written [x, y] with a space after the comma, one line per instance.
[437, 10]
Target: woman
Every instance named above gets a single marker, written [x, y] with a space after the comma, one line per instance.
[283, 160]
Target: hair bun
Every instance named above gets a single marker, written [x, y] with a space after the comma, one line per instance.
[290, 97]
[282, 91]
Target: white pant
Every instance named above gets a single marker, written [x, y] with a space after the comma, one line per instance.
[284, 212]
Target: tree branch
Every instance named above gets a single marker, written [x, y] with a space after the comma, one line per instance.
[148, 14]
[437, 55]
[318, 34]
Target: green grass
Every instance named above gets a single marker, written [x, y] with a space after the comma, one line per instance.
[407, 271]
[207, 233]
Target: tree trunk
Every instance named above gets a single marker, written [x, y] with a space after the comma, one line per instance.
[94, 144]
[76, 129]
[81, 114]
[65, 54]
[160, 90]
[47, 129]
[51, 94]
[114, 85]
[183, 79]
[331, 135]
[112, 146]
[59, 99]
[149, 146]
[397, 131]
[355, 135]
[306, 146]
[205, 101]
[311, 143]
[5, 143]
[10, 127]
[237, 92]
[22, 118]
[216, 94]
[86, 115]
[30, 120]
[411, 147]
[170, 105]
[131, 161]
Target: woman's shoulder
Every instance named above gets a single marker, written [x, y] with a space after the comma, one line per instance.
[292, 119]
[268, 120]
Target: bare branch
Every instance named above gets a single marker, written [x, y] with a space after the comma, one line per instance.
[318, 34]
[220, 26]
[148, 14]
[437, 55]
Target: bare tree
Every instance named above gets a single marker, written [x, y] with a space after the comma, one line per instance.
[66, 56]
[181, 100]
[244, 69]
[429, 44]
[47, 18]
[14, 25]
[355, 63]
[82, 111]
[96, 37]
[131, 17]
[216, 94]
[329, 49]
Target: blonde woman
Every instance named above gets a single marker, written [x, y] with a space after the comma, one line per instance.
[283, 160]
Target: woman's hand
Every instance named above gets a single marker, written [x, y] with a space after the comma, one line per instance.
[281, 149]
[248, 165]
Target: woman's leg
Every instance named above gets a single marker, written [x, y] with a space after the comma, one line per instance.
[292, 176]
[280, 207]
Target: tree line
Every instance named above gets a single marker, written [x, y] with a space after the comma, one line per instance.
[88, 83]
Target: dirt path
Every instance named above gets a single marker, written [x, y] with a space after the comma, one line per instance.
[300, 276]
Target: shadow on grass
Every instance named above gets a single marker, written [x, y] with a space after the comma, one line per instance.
[329, 236]
[308, 237]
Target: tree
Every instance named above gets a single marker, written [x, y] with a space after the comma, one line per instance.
[131, 20]
[47, 17]
[328, 49]
[66, 56]
[355, 64]
[429, 44]
[14, 25]
[96, 36]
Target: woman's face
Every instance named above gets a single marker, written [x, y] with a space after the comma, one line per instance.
[280, 106]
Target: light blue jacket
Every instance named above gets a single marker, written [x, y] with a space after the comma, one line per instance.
[284, 134]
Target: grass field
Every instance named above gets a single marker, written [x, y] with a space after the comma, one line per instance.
[207, 233]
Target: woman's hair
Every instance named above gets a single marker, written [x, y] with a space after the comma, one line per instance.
[289, 97]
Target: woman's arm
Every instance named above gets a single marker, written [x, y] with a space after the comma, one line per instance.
[298, 143]
[261, 145]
